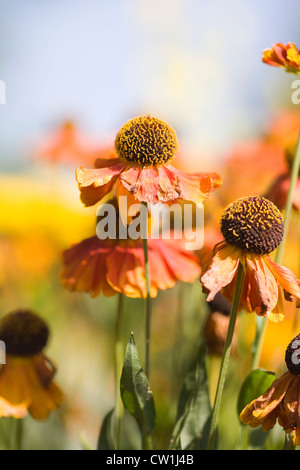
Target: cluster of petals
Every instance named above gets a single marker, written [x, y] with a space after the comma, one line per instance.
[266, 283]
[285, 56]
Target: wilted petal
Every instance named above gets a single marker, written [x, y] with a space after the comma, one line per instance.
[221, 270]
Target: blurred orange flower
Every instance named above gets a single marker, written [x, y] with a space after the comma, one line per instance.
[68, 145]
[26, 383]
[145, 147]
[285, 56]
[278, 191]
[112, 266]
[252, 228]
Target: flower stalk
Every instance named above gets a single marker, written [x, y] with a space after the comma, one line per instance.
[148, 298]
[118, 367]
[226, 357]
[262, 323]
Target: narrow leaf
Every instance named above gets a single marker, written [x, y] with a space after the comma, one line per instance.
[135, 392]
[105, 441]
[194, 408]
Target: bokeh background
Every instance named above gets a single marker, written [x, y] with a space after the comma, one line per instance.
[94, 64]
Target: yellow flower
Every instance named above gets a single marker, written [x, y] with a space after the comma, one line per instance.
[26, 383]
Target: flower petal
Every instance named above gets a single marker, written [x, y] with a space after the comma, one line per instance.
[94, 184]
[285, 277]
[84, 267]
[266, 285]
[259, 409]
[221, 270]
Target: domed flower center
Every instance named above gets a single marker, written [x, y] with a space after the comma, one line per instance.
[23, 333]
[292, 356]
[253, 224]
[146, 141]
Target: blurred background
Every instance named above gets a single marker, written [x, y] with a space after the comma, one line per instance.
[75, 71]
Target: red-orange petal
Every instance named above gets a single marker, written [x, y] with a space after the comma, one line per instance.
[84, 267]
[285, 277]
[221, 270]
[94, 184]
[266, 284]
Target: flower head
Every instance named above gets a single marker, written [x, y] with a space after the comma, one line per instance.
[279, 189]
[281, 401]
[145, 147]
[26, 383]
[117, 266]
[68, 146]
[285, 56]
[252, 228]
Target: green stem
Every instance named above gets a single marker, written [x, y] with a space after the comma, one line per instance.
[260, 331]
[148, 298]
[226, 356]
[19, 433]
[118, 368]
[288, 443]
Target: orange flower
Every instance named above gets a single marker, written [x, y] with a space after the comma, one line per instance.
[252, 228]
[67, 145]
[285, 56]
[278, 191]
[281, 401]
[26, 383]
[145, 147]
[112, 266]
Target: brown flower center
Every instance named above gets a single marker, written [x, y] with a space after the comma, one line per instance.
[292, 356]
[253, 224]
[146, 141]
[24, 333]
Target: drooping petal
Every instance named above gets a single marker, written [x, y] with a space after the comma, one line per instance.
[184, 265]
[266, 285]
[127, 203]
[221, 270]
[285, 277]
[85, 267]
[16, 411]
[125, 271]
[258, 410]
[195, 187]
[94, 184]
[20, 385]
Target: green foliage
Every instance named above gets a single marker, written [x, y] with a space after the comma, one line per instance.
[135, 392]
[194, 408]
[254, 385]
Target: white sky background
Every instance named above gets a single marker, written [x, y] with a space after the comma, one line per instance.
[194, 63]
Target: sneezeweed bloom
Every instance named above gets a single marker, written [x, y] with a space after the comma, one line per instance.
[112, 266]
[278, 191]
[68, 146]
[252, 228]
[285, 56]
[145, 147]
[26, 379]
[281, 401]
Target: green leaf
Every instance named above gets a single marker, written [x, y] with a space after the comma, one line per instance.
[194, 408]
[254, 385]
[135, 392]
[105, 441]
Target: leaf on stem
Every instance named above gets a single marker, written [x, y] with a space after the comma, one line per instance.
[135, 392]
